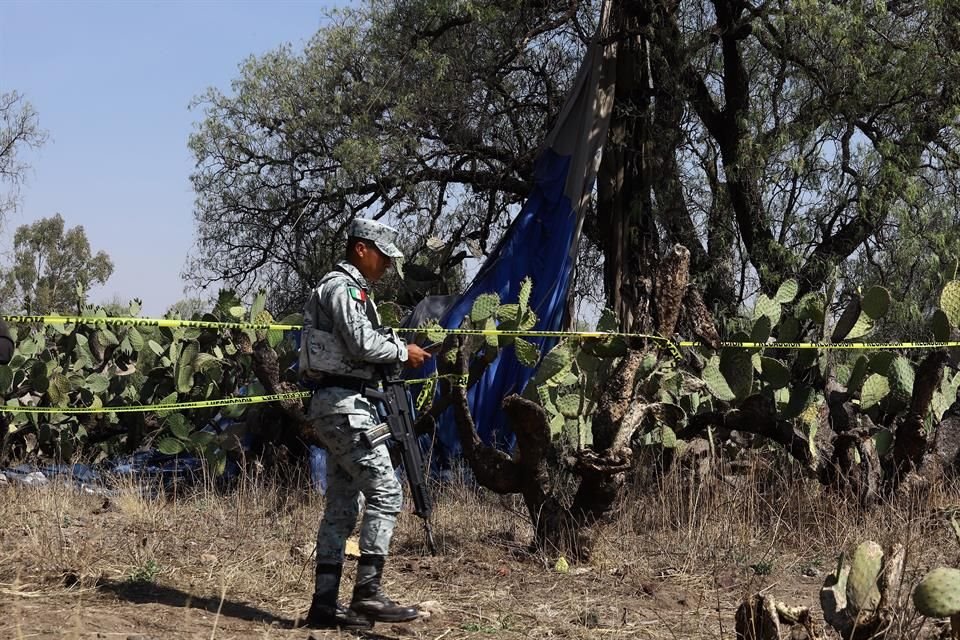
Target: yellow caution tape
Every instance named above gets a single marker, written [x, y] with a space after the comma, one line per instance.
[670, 344]
[151, 322]
[174, 406]
[518, 333]
[456, 380]
[825, 345]
[426, 393]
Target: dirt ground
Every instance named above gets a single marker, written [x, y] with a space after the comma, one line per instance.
[208, 564]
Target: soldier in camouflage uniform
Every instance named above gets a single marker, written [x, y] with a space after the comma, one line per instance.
[342, 345]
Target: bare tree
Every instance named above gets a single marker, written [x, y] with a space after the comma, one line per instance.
[19, 129]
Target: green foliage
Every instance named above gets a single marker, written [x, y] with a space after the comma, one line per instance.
[99, 365]
[367, 115]
[566, 384]
[52, 269]
[145, 573]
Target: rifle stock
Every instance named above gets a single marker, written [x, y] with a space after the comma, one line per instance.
[399, 427]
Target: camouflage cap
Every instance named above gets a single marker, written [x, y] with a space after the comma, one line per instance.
[380, 234]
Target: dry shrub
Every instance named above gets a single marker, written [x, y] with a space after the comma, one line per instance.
[675, 563]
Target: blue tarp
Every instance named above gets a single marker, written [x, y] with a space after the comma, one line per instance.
[541, 242]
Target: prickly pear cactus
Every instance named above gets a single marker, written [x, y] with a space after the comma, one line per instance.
[950, 302]
[901, 377]
[860, 599]
[876, 302]
[787, 291]
[863, 594]
[938, 594]
[715, 381]
[484, 307]
[771, 308]
[875, 388]
[99, 365]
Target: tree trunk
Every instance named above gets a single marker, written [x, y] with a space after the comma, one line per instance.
[628, 235]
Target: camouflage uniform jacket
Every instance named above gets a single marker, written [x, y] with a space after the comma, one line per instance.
[342, 336]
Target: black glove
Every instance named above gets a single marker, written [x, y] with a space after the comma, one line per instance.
[6, 343]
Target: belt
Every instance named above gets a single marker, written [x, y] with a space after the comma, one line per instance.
[343, 382]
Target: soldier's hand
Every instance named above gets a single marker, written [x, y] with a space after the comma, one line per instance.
[416, 356]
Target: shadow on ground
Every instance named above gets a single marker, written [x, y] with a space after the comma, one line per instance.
[147, 592]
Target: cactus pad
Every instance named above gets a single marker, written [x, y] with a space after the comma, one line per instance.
[811, 307]
[527, 352]
[668, 437]
[876, 302]
[528, 320]
[857, 374]
[484, 307]
[938, 594]
[847, 320]
[435, 333]
[492, 339]
[390, 314]
[787, 291]
[6, 378]
[761, 329]
[875, 388]
[880, 362]
[774, 372]
[508, 312]
[789, 330]
[569, 405]
[58, 389]
[716, 383]
[557, 423]
[523, 299]
[950, 302]
[901, 376]
[543, 394]
[555, 365]
[833, 597]
[737, 369]
[941, 326]
[185, 368]
[135, 338]
[863, 593]
[767, 307]
[588, 362]
[861, 327]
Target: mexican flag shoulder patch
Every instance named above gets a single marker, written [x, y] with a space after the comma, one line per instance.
[357, 294]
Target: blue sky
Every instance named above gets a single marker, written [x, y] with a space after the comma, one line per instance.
[112, 82]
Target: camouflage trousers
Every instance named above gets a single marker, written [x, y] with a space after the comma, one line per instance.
[352, 470]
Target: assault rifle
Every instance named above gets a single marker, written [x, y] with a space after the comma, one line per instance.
[399, 427]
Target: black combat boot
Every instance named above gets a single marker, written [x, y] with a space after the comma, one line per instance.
[370, 601]
[325, 612]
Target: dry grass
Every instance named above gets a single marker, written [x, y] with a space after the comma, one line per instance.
[203, 564]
